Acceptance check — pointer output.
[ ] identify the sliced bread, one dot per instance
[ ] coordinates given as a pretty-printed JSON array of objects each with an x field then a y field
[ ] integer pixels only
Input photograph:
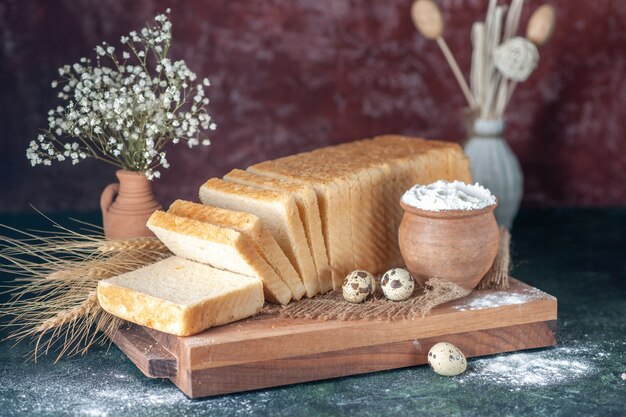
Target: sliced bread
[
  {"x": 220, "y": 247},
  {"x": 279, "y": 213},
  {"x": 308, "y": 208},
  {"x": 181, "y": 297},
  {"x": 333, "y": 197},
  {"x": 251, "y": 226}
]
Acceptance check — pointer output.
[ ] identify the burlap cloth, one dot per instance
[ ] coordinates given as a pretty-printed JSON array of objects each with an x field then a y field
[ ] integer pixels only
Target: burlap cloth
[{"x": 332, "y": 306}]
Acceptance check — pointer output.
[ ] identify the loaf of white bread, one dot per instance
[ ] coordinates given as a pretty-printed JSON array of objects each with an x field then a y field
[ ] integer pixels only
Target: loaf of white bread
[{"x": 282, "y": 229}]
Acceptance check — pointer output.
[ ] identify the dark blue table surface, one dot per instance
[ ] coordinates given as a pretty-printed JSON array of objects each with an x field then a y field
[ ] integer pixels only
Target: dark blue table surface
[{"x": 577, "y": 255}]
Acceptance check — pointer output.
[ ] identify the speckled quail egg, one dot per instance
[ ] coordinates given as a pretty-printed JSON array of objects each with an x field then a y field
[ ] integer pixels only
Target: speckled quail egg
[
  {"x": 357, "y": 286},
  {"x": 446, "y": 359},
  {"x": 397, "y": 284}
]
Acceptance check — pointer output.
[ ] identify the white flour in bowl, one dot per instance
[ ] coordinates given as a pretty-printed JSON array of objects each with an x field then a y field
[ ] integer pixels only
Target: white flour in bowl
[{"x": 444, "y": 195}]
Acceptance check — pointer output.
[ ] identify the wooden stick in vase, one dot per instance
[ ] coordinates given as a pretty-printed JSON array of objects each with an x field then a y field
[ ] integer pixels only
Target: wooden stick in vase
[
  {"x": 510, "y": 29},
  {"x": 488, "y": 68},
  {"x": 429, "y": 21},
  {"x": 478, "y": 42},
  {"x": 492, "y": 76},
  {"x": 539, "y": 31}
]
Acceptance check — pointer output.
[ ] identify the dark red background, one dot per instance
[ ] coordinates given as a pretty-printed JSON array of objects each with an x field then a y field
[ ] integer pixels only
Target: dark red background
[{"x": 292, "y": 75}]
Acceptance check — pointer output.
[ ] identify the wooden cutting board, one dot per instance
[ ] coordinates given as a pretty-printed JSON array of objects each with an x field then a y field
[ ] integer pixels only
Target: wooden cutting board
[{"x": 268, "y": 350}]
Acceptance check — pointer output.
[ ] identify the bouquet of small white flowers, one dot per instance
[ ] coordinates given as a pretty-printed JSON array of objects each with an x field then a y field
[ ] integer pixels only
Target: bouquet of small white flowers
[{"x": 127, "y": 107}]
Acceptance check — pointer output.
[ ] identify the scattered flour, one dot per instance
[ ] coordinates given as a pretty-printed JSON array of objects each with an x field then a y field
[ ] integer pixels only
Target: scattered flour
[
  {"x": 479, "y": 300},
  {"x": 91, "y": 412},
  {"x": 444, "y": 195},
  {"x": 531, "y": 369}
]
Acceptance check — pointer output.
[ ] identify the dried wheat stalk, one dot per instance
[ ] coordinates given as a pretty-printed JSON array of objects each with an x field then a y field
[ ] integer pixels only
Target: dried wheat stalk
[{"x": 53, "y": 297}]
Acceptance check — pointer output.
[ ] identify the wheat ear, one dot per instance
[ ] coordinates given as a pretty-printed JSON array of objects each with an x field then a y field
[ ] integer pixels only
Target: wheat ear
[{"x": 53, "y": 297}]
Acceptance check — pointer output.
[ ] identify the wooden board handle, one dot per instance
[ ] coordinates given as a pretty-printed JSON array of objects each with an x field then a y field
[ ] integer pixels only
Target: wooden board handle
[{"x": 152, "y": 359}]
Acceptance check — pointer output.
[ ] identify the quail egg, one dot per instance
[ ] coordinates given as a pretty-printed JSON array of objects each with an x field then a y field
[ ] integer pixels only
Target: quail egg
[
  {"x": 446, "y": 359},
  {"x": 397, "y": 284},
  {"x": 357, "y": 286}
]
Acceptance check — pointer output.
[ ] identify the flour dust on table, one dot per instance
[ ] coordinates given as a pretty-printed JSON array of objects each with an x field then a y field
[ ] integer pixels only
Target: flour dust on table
[{"x": 560, "y": 365}]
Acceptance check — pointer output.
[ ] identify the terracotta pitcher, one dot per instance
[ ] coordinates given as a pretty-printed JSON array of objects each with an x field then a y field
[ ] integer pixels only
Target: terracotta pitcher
[{"x": 127, "y": 205}]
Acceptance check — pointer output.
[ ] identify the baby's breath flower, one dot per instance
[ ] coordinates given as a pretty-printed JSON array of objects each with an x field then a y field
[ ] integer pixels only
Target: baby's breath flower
[{"x": 125, "y": 112}]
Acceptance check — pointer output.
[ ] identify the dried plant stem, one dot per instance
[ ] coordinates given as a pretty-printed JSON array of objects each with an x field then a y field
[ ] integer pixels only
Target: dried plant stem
[
  {"x": 53, "y": 297},
  {"x": 492, "y": 76},
  {"x": 489, "y": 91},
  {"x": 509, "y": 94},
  {"x": 512, "y": 19},
  {"x": 476, "y": 79},
  {"x": 504, "y": 88},
  {"x": 457, "y": 72}
]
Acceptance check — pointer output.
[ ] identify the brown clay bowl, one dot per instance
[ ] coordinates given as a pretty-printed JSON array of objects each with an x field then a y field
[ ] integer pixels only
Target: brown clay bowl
[{"x": 456, "y": 245}]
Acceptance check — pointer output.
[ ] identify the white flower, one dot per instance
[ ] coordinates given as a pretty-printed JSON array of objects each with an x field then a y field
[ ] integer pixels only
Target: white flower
[{"x": 126, "y": 111}]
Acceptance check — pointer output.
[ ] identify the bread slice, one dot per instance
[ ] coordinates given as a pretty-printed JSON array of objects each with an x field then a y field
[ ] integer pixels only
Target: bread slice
[
  {"x": 220, "y": 247},
  {"x": 308, "y": 208},
  {"x": 251, "y": 226},
  {"x": 279, "y": 213},
  {"x": 181, "y": 297}
]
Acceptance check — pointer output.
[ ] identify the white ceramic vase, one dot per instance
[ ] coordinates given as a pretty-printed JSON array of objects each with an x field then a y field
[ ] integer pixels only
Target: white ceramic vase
[{"x": 496, "y": 167}]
